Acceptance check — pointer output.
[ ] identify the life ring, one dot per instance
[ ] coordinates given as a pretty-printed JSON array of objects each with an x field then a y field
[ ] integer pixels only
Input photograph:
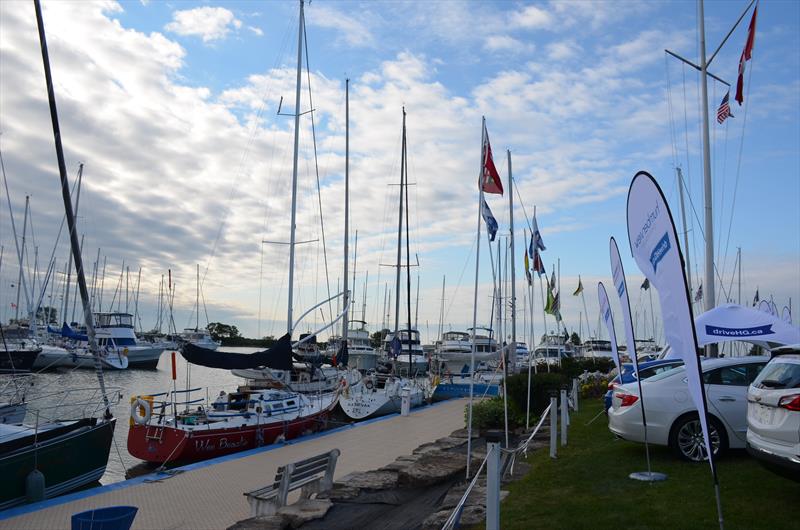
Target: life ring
[
  {"x": 140, "y": 405},
  {"x": 368, "y": 384}
]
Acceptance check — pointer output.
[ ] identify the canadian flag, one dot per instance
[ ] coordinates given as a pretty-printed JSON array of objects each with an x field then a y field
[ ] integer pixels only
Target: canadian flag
[{"x": 490, "y": 179}]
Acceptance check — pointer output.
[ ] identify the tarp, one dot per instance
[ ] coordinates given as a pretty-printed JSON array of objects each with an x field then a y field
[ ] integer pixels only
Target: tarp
[
  {"x": 279, "y": 357},
  {"x": 732, "y": 322}
]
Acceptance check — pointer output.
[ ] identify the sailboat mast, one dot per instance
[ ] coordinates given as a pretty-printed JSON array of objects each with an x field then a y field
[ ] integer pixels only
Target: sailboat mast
[
  {"x": 197, "y": 301},
  {"x": 685, "y": 230},
  {"x": 292, "y": 226},
  {"x": 408, "y": 245},
  {"x": 62, "y": 170},
  {"x": 22, "y": 257},
  {"x": 709, "y": 295},
  {"x": 400, "y": 233},
  {"x": 346, "y": 295},
  {"x": 69, "y": 266},
  {"x": 513, "y": 345}
]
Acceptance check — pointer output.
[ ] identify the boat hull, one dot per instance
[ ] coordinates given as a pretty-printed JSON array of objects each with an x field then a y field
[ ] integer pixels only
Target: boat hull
[
  {"x": 60, "y": 358},
  {"x": 67, "y": 460},
  {"x": 144, "y": 357},
  {"x": 359, "y": 402},
  {"x": 459, "y": 390},
  {"x": 18, "y": 360},
  {"x": 161, "y": 444}
]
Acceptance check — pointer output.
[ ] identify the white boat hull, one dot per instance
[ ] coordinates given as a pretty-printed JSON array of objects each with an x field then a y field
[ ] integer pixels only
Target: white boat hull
[
  {"x": 360, "y": 402},
  {"x": 52, "y": 357}
]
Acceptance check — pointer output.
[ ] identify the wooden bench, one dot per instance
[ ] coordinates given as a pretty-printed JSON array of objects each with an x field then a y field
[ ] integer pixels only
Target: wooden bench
[{"x": 312, "y": 475}]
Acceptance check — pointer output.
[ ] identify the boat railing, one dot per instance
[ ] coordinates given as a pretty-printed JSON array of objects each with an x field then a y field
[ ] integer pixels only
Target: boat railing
[{"x": 73, "y": 402}]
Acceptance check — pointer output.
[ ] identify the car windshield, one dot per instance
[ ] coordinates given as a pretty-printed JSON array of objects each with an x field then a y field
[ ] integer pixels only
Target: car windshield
[{"x": 780, "y": 373}]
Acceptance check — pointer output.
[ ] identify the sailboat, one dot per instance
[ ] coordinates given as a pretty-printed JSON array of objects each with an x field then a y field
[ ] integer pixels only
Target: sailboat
[
  {"x": 254, "y": 414},
  {"x": 198, "y": 336},
  {"x": 379, "y": 394}
]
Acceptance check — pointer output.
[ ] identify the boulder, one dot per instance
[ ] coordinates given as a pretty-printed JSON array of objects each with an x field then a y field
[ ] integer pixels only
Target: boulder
[
  {"x": 372, "y": 480},
  {"x": 433, "y": 467},
  {"x": 305, "y": 510}
]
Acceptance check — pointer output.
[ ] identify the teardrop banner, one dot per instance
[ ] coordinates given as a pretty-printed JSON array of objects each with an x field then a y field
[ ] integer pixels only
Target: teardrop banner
[
  {"x": 608, "y": 318},
  {"x": 654, "y": 245},
  {"x": 621, "y": 286}
]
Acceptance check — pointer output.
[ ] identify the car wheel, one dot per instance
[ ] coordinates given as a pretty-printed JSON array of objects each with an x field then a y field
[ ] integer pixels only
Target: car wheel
[{"x": 686, "y": 438}]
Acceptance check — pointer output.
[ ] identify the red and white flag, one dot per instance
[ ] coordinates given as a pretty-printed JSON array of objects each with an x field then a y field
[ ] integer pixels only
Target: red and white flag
[
  {"x": 747, "y": 53},
  {"x": 490, "y": 179},
  {"x": 724, "y": 110}
]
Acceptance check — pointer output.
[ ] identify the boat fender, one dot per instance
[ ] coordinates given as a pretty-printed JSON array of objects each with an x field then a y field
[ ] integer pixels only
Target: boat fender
[
  {"x": 140, "y": 405},
  {"x": 34, "y": 486},
  {"x": 258, "y": 410},
  {"x": 125, "y": 351}
]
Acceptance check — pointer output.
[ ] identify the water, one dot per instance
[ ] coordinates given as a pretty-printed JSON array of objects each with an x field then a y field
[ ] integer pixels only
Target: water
[{"x": 126, "y": 383}]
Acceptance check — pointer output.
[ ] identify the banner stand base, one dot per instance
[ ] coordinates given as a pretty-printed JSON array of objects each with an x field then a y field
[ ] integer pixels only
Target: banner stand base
[{"x": 644, "y": 476}]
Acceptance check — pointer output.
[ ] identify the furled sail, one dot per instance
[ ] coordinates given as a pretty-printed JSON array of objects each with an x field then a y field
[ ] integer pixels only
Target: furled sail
[{"x": 279, "y": 357}]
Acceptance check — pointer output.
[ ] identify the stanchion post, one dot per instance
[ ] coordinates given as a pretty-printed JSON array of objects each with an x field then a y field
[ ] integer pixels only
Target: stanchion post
[
  {"x": 493, "y": 441},
  {"x": 564, "y": 416},
  {"x": 575, "y": 393},
  {"x": 553, "y": 424}
]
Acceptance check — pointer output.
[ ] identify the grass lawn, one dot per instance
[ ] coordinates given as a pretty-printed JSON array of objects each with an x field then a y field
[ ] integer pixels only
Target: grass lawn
[{"x": 588, "y": 487}]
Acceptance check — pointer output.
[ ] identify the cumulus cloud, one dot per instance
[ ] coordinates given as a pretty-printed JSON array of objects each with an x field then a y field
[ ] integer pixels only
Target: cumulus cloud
[
  {"x": 506, "y": 43},
  {"x": 208, "y": 23},
  {"x": 350, "y": 29}
]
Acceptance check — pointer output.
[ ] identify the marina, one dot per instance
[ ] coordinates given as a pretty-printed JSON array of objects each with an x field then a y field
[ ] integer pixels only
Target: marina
[{"x": 261, "y": 293}]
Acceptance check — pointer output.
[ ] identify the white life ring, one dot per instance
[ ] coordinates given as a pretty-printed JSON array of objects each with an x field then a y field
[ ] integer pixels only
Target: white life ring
[
  {"x": 368, "y": 384},
  {"x": 140, "y": 419}
]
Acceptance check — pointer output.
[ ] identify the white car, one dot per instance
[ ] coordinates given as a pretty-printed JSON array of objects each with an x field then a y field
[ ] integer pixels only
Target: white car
[
  {"x": 672, "y": 418},
  {"x": 773, "y": 415}
]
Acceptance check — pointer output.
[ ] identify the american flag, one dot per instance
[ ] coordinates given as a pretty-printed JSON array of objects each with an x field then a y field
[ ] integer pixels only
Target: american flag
[{"x": 724, "y": 109}]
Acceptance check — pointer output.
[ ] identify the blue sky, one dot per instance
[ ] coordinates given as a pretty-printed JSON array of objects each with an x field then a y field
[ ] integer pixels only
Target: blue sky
[{"x": 172, "y": 107}]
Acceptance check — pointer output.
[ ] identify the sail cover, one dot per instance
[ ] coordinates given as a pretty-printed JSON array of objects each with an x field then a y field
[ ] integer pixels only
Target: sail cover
[{"x": 279, "y": 357}]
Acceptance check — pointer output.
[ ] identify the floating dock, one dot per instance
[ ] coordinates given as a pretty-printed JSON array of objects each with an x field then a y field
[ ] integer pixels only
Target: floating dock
[{"x": 210, "y": 494}]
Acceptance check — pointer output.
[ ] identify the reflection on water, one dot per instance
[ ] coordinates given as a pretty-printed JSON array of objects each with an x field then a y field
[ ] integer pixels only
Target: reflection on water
[{"x": 122, "y": 385}]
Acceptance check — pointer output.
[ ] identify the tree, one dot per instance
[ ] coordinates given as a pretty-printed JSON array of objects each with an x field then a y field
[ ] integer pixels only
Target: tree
[
  {"x": 376, "y": 339},
  {"x": 47, "y": 314},
  {"x": 219, "y": 331},
  {"x": 575, "y": 339}
]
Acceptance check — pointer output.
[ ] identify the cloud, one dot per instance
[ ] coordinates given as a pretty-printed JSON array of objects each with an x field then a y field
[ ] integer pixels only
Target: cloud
[
  {"x": 209, "y": 23},
  {"x": 351, "y": 30},
  {"x": 562, "y": 50},
  {"x": 256, "y": 31},
  {"x": 532, "y": 17},
  {"x": 506, "y": 43}
]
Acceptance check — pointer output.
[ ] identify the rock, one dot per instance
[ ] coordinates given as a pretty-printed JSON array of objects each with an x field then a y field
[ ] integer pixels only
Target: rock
[
  {"x": 472, "y": 515},
  {"x": 436, "y": 520},
  {"x": 264, "y": 522},
  {"x": 339, "y": 492},
  {"x": 305, "y": 510},
  {"x": 462, "y": 433},
  {"x": 433, "y": 467},
  {"x": 520, "y": 470},
  {"x": 401, "y": 462},
  {"x": 373, "y": 480},
  {"x": 448, "y": 442}
]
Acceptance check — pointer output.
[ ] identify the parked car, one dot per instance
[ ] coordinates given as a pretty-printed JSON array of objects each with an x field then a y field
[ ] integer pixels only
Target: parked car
[
  {"x": 646, "y": 369},
  {"x": 773, "y": 414},
  {"x": 672, "y": 418}
]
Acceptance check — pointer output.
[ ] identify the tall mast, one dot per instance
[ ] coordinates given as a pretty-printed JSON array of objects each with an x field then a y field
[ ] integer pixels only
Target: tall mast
[
  {"x": 441, "y": 311},
  {"x": 69, "y": 265},
  {"x": 301, "y": 26},
  {"x": 346, "y": 296},
  {"x": 400, "y": 234},
  {"x": 408, "y": 245},
  {"x": 62, "y": 170},
  {"x": 22, "y": 258},
  {"x": 685, "y": 230},
  {"x": 709, "y": 295},
  {"x": 197, "y": 302},
  {"x": 513, "y": 345}
]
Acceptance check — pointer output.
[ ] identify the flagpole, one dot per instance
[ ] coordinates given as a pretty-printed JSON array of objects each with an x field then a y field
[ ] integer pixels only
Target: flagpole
[
  {"x": 513, "y": 345},
  {"x": 475, "y": 293},
  {"x": 544, "y": 321}
]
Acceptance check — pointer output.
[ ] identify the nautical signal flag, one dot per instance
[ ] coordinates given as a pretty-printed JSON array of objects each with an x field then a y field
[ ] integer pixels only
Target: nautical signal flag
[
  {"x": 538, "y": 265},
  {"x": 536, "y": 239},
  {"x": 579, "y": 290},
  {"x": 699, "y": 294},
  {"x": 488, "y": 218},
  {"x": 490, "y": 179},
  {"x": 528, "y": 269},
  {"x": 724, "y": 110},
  {"x": 747, "y": 54},
  {"x": 645, "y": 284},
  {"x": 756, "y": 298}
]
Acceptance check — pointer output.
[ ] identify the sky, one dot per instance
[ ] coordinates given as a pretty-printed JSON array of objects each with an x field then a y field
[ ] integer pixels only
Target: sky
[{"x": 172, "y": 107}]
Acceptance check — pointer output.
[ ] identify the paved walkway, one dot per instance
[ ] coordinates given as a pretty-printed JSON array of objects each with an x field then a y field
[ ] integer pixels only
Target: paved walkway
[{"x": 210, "y": 496}]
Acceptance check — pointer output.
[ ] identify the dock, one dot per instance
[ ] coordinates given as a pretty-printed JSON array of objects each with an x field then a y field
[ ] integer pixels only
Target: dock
[{"x": 210, "y": 494}]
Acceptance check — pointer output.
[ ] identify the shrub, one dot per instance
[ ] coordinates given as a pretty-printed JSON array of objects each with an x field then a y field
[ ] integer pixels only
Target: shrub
[
  {"x": 541, "y": 386},
  {"x": 489, "y": 414}
]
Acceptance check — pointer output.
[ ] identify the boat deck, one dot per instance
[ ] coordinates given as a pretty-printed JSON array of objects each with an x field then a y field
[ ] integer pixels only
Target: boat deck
[{"x": 210, "y": 494}]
